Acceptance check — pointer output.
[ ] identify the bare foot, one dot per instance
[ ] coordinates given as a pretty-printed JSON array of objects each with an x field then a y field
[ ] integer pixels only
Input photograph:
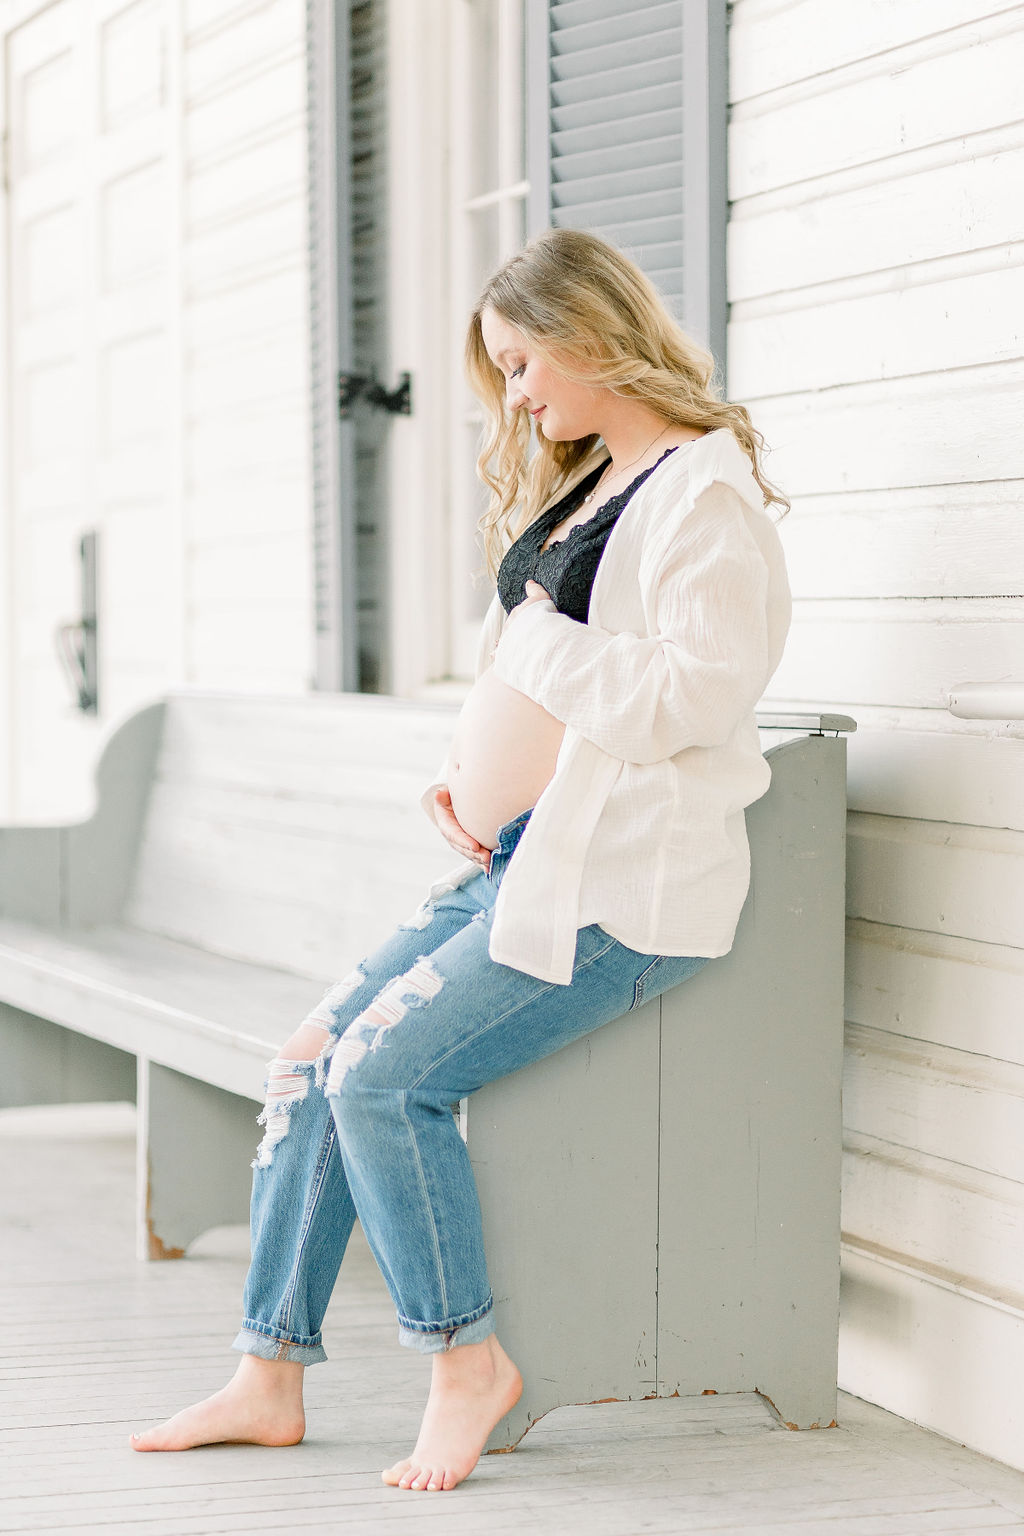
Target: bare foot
[
  {"x": 472, "y": 1387},
  {"x": 261, "y": 1405}
]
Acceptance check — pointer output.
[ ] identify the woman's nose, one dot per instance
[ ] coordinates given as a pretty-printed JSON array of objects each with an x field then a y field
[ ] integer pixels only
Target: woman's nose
[{"x": 514, "y": 396}]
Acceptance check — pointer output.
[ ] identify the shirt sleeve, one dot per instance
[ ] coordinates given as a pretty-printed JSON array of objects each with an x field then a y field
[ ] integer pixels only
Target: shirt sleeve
[{"x": 690, "y": 680}]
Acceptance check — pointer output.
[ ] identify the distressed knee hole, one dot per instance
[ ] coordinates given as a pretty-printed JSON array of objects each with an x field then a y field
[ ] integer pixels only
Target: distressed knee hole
[
  {"x": 324, "y": 1014},
  {"x": 287, "y": 1085},
  {"x": 367, "y": 1033}
]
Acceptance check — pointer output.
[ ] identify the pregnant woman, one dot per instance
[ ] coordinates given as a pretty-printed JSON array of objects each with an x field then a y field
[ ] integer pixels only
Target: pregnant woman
[{"x": 595, "y": 787}]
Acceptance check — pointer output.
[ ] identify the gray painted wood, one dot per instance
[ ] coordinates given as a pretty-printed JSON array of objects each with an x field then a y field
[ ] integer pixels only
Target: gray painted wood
[
  {"x": 47, "y": 1064},
  {"x": 196, "y": 1143},
  {"x": 662, "y": 1198}
]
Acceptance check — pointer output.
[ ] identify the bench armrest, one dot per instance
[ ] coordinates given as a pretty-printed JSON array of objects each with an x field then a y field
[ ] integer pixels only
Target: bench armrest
[{"x": 80, "y": 874}]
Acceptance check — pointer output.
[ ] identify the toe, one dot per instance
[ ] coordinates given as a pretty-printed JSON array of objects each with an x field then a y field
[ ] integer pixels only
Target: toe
[{"x": 393, "y": 1475}]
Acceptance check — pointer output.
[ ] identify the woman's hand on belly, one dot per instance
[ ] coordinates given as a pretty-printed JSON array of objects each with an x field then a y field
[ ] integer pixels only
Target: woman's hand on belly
[{"x": 455, "y": 834}]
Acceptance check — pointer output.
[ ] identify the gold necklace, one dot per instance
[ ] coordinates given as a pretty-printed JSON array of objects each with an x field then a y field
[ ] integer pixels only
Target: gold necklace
[{"x": 616, "y": 472}]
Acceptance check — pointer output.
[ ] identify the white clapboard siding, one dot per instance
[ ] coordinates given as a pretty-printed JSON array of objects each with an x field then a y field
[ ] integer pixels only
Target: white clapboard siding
[
  {"x": 940, "y": 876},
  {"x": 938, "y": 775},
  {"x": 934, "y": 1350},
  {"x": 936, "y": 89},
  {"x": 915, "y": 541},
  {"x": 904, "y": 325},
  {"x": 774, "y": 45},
  {"x": 866, "y": 220},
  {"x": 876, "y": 280},
  {"x": 952, "y": 1218},
  {"x": 950, "y": 1104},
  {"x": 884, "y": 435},
  {"x": 967, "y": 994},
  {"x": 898, "y": 651}
]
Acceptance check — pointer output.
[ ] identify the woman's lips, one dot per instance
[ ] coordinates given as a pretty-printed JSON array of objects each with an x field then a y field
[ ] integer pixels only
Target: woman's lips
[{"x": 537, "y": 412}]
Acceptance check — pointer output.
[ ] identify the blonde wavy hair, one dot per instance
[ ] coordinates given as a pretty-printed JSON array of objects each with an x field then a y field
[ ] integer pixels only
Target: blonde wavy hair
[{"x": 593, "y": 316}]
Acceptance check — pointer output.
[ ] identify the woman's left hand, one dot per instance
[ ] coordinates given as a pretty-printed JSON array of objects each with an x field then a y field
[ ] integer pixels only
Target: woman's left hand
[{"x": 534, "y": 594}]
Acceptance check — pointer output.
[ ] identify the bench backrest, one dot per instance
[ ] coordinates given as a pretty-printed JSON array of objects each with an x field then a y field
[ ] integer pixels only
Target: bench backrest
[{"x": 289, "y": 831}]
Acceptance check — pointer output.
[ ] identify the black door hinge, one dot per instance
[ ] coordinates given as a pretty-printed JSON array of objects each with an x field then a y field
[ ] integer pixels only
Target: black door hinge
[{"x": 397, "y": 401}]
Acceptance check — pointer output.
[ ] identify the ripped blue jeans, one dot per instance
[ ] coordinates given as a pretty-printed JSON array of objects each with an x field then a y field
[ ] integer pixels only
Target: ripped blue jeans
[{"x": 424, "y": 1021}]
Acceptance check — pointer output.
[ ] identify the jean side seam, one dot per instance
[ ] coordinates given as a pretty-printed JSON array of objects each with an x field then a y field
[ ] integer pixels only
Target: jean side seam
[
  {"x": 428, "y": 1207},
  {"x": 318, "y": 1184}
]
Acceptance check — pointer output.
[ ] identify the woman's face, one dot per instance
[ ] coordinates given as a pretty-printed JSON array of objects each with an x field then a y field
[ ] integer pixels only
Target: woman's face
[{"x": 561, "y": 409}]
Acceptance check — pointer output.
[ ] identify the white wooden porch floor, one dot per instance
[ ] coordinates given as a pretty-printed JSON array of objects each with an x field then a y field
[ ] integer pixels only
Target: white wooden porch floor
[{"x": 97, "y": 1344}]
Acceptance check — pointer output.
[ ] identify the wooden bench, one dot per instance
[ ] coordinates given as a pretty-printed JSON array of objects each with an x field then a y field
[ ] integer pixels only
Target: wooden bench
[{"x": 661, "y": 1199}]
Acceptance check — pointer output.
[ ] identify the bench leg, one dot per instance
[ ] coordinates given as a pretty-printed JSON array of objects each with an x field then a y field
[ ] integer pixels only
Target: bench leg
[
  {"x": 195, "y": 1144},
  {"x": 565, "y": 1155},
  {"x": 45, "y": 1063}
]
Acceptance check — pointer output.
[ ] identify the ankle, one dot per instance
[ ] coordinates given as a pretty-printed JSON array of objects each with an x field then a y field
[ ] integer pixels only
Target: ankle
[
  {"x": 469, "y": 1365},
  {"x": 270, "y": 1378}
]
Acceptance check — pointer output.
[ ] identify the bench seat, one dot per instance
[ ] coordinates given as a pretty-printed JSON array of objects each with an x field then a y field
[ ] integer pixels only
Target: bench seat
[{"x": 217, "y": 1018}]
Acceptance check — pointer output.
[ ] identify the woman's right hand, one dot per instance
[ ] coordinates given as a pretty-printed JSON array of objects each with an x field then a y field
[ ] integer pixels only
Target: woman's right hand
[{"x": 455, "y": 834}]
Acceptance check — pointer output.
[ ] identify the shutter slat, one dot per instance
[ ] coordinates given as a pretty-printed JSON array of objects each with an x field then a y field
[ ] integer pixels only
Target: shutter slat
[
  {"x": 625, "y": 24},
  {"x": 596, "y": 202},
  {"x": 660, "y": 189},
  {"x": 637, "y": 53},
  {"x": 615, "y": 82},
  {"x": 658, "y": 157},
  {"x": 609, "y": 17},
  {"x": 607, "y": 132}
]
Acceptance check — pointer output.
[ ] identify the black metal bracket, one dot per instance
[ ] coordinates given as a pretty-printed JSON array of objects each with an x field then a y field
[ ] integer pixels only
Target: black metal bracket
[
  {"x": 397, "y": 401},
  {"x": 76, "y": 642}
]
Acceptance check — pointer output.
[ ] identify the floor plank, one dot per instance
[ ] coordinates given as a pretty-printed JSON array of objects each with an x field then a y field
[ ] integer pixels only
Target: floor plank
[{"x": 102, "y": 1344}]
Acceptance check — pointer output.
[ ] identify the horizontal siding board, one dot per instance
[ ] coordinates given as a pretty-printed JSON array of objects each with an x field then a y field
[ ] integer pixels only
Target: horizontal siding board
[
  {"x": 962, "y": 1221},
  {"x": 822, "y": 234},
  {"x": 255, "y": 38},
  {"x": 908, "y": 653},
  {"x": 932, "y": 776},
  {"x": 944, "y": 541},
  {"x": 224, "y": 122},
  {"x": 938, "y": 877},
  {"x": 774, "y": 45},
  {"x": 913, "y": 328},
  {"x": 937, "y": 430},
  {"x": 948, "y": 1104},
  {"x": 935, "y": 1357},
  {"x": 965, "y": 994}
]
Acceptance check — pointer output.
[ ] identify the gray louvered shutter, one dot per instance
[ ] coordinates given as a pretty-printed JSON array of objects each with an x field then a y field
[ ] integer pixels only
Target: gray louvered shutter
[
  {"x": 626, "y": 114},
  {"x": 346, "y": 64},
  {"x": 330, "y": 260}
]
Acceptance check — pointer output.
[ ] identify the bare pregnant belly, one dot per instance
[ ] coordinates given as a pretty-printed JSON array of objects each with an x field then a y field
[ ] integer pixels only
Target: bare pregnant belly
[{"x": 502, "y": 757}]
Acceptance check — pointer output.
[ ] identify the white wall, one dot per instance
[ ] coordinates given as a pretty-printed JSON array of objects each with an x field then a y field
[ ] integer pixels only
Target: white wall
[
  {"x": 155, "y": 363},
  {"x": 877, "y": 301}
]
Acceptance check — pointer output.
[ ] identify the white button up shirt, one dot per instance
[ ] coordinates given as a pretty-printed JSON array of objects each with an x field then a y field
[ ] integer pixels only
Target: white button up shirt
[{"x": 641, "y": 828}]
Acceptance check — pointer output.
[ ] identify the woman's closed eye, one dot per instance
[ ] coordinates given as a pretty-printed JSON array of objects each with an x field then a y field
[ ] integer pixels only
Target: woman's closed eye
[{"x": 516, "y": 372}]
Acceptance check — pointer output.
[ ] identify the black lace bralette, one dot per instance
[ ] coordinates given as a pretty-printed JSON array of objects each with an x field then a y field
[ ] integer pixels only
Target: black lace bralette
[{"x": 566, "y": 569}]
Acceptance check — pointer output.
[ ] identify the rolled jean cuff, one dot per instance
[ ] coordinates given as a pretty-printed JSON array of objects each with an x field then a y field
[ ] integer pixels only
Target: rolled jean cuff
[
  {"x": 435, "y": 1338},
  {"x": 272, "y": 1344}
]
